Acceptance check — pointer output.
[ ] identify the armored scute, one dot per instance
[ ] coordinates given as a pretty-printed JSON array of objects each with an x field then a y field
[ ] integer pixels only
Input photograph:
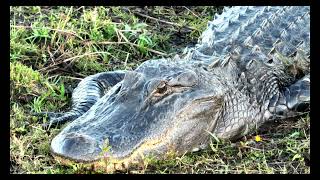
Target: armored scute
[{"x": 251, "y": 65}]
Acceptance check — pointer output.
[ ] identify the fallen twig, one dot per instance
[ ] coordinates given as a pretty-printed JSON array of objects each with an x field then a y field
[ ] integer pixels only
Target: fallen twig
[
  {"x": 70, "y": 77},
  {"x": 63, "y": 25},
  {"x": 151, "y": 50},
  {"x": 130, "y": 43},
  {"x": 124, "y": 37},
  {"x": 38, "y": 128},
  {"x": 191, "y": 11},
  {"x": 72, "y": 59},
  {"x": 86, "y": 54},
  {"x": 125, "y": 62}
]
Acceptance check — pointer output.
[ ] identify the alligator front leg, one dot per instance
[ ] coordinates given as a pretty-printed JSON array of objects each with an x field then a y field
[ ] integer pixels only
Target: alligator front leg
[
  {"x": 239, "y": 116},
  {"x": 294, "y": 100},
  {"x": 85, "y": 95}
]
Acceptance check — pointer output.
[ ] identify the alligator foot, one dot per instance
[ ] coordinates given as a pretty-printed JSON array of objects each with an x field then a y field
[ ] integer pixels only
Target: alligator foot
[{"x": 297, "y": 99}]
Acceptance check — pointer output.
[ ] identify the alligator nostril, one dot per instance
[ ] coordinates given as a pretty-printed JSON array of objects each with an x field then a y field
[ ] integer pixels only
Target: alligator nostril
[{"x": 78, "y": 145}]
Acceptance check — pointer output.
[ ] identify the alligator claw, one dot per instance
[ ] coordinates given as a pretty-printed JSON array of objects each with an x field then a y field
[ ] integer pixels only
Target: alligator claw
[
  {"x": 48, "y": 125},
  {"x": 45, "y": 126}
]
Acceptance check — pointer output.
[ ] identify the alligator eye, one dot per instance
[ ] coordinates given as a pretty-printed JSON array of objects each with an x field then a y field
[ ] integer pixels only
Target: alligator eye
[
  {"x": 118, "y": 89},
  {"x": 161, "y": 90}
]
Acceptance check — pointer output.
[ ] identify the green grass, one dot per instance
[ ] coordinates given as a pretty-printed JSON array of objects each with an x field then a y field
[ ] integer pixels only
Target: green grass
[{"x": 53, "y": 48}]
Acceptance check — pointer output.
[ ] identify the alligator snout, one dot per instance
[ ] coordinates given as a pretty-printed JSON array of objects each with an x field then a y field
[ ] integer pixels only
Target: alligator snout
[{"x": 75, "y": 146}]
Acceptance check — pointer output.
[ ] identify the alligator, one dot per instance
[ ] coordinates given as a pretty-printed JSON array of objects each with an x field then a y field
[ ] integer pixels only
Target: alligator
[{"x": 250, "y": 66}]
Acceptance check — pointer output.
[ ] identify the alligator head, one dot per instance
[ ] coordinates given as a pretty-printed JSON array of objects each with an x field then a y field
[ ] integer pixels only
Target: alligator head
[{"x": 161, "y": 107}]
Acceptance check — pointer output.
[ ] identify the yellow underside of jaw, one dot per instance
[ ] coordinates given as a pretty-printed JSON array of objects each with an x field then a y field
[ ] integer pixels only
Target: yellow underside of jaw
[{"x": 110, "y": 164}]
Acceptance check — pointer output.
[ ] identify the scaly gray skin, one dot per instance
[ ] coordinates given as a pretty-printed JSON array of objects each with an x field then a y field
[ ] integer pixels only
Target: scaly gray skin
[{"x": 251, "y": 66}]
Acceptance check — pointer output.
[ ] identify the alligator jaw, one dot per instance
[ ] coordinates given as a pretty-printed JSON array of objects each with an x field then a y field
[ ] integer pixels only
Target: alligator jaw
[
  {"x": 98, "y": 162},
  {"x": 188, "y": 131},
  {"x": 106, "y": 162}
]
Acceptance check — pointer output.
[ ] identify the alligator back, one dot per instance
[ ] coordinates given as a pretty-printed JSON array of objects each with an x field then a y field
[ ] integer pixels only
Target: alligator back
[{"x": 267, "y": 30}]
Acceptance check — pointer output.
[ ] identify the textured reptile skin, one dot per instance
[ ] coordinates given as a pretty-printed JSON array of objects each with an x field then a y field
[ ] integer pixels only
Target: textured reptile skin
[{"x": 251, "y": 65}]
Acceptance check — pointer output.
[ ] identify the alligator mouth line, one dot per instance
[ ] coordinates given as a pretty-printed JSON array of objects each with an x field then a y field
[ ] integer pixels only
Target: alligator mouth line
[{"x": 111, "y": 164}]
